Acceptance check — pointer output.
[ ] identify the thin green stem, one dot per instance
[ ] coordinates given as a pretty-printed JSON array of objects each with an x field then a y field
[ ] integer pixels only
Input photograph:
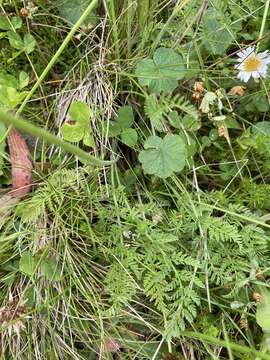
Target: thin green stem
[
  {"x": 112, "y": 16},
  {"x": 225, "y": 344},
  {"x": 56, "y": 56},
  {"x": 174, "y": 13},
  {"x": 266, "y": 9},
  {"x": 46, "y": 136}
]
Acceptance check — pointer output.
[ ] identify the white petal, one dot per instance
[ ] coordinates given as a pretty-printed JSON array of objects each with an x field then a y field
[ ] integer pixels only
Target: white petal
[
  {"x": 263, "y": 54},
  {"x": 246, "y": 76},
  {"x": 246, "y": 52},
  {"x": 263, "y": 73},
  {"x": 240, "y": 66},
  {"x": 255, "y": 74},
  {"x": 242, "y": 75}
]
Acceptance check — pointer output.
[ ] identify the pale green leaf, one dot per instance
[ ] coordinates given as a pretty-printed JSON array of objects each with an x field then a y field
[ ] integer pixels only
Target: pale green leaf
[
  {"x": 88, "y": 139},
  {"x": 28, "y": 263},
  {"x": 163, "y": 157},
  {"x": 72, "y": 132},
  {"x": 79, "y": 112},
  {"x": 263, "y": 311}
]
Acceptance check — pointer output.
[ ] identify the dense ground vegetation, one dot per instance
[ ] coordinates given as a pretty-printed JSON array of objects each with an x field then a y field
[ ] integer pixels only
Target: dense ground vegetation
[{"x": 157, "y": 245}]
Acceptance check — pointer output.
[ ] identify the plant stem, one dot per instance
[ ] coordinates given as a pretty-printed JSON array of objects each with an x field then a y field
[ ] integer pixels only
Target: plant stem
[
  {"x": 266, "y": 9},
  {"x": 58, "y": 53},
  {"x": 225, "y": 344},
  {"x": 45, "y": 135},
  {"x": 112, "y": 16}
]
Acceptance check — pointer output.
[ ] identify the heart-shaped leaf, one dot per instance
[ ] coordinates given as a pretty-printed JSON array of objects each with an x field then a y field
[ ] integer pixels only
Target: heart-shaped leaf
[
  {"x": 163, "y": 157},
  {"x": 72, "y": 132},
  {"x": 77, "y": 127},
  {"x": 162, "y": 72}
]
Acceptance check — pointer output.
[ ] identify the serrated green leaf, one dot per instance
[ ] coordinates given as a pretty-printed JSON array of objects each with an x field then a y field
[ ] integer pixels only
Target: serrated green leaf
[
  {"x": 28, "y": 263},
  {"x": 129, "y": 137},
  {"x": 163, "y": 157},
  {"x": 16, "y": 22},
  {"x": 217, "y": 38},
  {"x": 15, "y": 40},
  {"x": 29, "y": 43},
  {"x": 49, "y": 268},
  {"x": 71, "y": 10},
  {"x": 162, "y": 72}
]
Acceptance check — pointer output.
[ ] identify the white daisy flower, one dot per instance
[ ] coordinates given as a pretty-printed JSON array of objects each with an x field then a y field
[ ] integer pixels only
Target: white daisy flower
[{"x": 252, "y": 64}]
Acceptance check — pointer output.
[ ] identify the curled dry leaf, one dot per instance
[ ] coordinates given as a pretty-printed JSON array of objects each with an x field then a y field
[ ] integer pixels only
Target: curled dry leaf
[
  {"x": 21, "y": 164},
  {"x": 237, "y": 90},
  {"x": 21, "y": 174}
]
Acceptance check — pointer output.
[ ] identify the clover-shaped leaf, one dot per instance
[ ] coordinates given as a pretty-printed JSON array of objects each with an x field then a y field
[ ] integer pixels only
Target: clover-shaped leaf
[
  {"x": 162, "y": 72},
  {"x": 9, "y": 24},
  {"x": 123, "y": 121},
  {"x": 26, "y": 44},
  {"x": 122, "y": 126},
  {"x": 163, "y": 157}
]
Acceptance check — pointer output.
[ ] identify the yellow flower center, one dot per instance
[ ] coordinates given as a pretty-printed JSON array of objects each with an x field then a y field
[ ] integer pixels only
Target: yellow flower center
[{"x": 252, "y": 63}]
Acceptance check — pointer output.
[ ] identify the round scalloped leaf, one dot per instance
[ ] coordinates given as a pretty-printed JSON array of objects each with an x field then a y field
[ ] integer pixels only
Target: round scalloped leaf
[
  {"x": 163, "y": 157},
  {"x": 161, "y": 73}
]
